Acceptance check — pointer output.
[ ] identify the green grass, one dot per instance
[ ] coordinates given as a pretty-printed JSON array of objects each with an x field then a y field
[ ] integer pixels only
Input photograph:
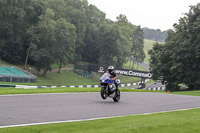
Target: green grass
[
  {"x": 136, "y": 67},
  {"x": 70, "y": 78},
  {"x": 191, "y": 93},
  {"x": 6, "y": 91},
  {"x": 148, "y": 45},
  {"x": 66, "y": 78},
  {"x": 171, "y": 122},
  {"x": 3, "y": 63}
]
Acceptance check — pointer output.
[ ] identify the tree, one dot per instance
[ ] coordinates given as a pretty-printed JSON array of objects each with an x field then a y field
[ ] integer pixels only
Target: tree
[
  {"x": 138, "y": 46},
  {"x": 161, "y": 63},
  {"x": 65, "y": 34},
  {"x": 76, "y": 14},
  {"x": 59, "y": 7},
  {"x": 114, "y": 45},
  {"x": 92, "y": 37},
  {"x": 135, "y": 37},
  {"x": 16, "y": 18},
  {"x": 42, "y": 51},
  {"x": 155, "y": 35},
  {"x": 179, "y": 57},
  {"x": 12, "y": 30}
]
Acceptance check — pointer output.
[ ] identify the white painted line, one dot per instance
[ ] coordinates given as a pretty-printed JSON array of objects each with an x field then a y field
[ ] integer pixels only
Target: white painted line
[
  {"x": 129, "y": 84},
  {"x": 44, "y": 86},
  {"x": 72, "y": 86},
  {"x": 30, "y": 87},
  {"x": 96, "y": 86},
  {"x": 63, "y": 86},
  {"x": 122, "y": 85},
  {"x": 53, "y": 86},
  {"x": 89, "y": 86},
  {"x": 20, "y": 85},
  {"x": 80, "y": 86},
  {"x": 56, "y": 122}
]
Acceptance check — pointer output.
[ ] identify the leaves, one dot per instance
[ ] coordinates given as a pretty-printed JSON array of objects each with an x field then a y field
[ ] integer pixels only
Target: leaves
[
  {"x": 177, "y": 61},
  {"x": 45, "y": 32}
]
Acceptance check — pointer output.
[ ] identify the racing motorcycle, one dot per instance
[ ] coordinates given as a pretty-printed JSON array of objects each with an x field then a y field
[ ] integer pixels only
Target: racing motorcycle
[{"x": 108, "y": 88}]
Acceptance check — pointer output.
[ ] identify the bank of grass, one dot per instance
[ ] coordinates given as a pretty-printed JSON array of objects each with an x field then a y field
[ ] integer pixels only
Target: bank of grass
[
  {"x": 148, "y": 45},
  {"x": 191, "y": 93},
  {"x": 174, "y": 122},
  {"x": 70, "y": 78},
  {"x": 128, "y": 65},
  {"x": 6, "y": 91}
]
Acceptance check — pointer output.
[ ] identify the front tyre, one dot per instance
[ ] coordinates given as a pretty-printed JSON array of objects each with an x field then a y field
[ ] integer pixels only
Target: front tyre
[
  {"x": 117, "y": 96},
  {"x": 103, "y": 92}
]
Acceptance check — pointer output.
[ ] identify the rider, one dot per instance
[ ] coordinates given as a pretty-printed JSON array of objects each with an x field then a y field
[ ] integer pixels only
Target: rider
[{"x": 113, "y": 75}]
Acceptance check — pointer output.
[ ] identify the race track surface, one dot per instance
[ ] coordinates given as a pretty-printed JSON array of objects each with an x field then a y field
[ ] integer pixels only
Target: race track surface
[{"x": 26, "y": 109}]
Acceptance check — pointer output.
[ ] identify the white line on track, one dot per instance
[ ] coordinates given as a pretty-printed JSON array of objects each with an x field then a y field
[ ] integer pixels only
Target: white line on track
[{"x": 56, "y": 122}]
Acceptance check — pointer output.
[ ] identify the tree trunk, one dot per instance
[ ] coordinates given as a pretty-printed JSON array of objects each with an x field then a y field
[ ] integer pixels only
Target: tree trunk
[
  {"x": 60, "y": 66},
  {"x": 130, "y": 64},
  {"x": 133, "y": 64},
  {"x": 28, "y": 52},
  {"x": 45, "y": 71}
]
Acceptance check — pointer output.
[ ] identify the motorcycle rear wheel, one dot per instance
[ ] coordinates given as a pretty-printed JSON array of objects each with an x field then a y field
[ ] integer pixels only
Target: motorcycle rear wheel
[{"x": 117, "y": 96}]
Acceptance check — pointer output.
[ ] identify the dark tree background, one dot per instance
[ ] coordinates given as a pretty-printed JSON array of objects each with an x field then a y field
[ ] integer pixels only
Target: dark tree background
[{"x": 155, "y": 35}]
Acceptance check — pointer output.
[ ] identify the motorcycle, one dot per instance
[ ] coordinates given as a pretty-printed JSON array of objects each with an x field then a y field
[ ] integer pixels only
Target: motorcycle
[{"x": 108, "y": 88}]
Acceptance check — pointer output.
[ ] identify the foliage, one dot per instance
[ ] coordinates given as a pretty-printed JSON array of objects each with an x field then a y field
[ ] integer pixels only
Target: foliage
[
  {"x": 155, "y": 35},
  {"x": 45, "y": 32},
  {"x": 177, "y": 61},
  {"x": 148, "y": 45},
  {"x": 138, "y": 54}
]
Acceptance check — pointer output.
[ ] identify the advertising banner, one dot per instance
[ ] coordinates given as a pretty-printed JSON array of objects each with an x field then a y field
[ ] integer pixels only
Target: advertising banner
[{"x": 125, "y": 72}]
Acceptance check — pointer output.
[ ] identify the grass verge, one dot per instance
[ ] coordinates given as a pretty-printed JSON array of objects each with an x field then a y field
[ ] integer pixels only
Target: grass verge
[
  {"x": 174, "y": 122},
  {"x": 191, "y": 93},
  {"x": 148, "y": 45},
  {"x": 6, "y": 91}
]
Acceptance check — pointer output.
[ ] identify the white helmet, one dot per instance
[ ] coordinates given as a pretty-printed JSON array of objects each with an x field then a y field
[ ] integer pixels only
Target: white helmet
[{"x": 111, "y": 69}]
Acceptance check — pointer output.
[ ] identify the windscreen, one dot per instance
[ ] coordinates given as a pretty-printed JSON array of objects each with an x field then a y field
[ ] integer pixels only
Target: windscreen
[{"x": 105, "y": 76}]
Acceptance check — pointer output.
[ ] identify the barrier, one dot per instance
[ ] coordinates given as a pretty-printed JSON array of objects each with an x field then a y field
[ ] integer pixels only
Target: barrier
[{"x": 81, "y": 86}]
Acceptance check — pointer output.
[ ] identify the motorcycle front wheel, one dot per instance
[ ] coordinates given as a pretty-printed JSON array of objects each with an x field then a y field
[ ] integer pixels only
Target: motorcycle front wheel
[{"x": 104, "y": 92}]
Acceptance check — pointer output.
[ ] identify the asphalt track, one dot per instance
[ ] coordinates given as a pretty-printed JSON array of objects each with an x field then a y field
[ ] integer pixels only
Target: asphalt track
[{"x": 41, "y": 108}]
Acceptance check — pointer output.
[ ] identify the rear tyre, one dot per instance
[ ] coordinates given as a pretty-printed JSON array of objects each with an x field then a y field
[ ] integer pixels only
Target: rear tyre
[
  {"x": 117, "y": 96},
  {"x": 103, "y": 92}
]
